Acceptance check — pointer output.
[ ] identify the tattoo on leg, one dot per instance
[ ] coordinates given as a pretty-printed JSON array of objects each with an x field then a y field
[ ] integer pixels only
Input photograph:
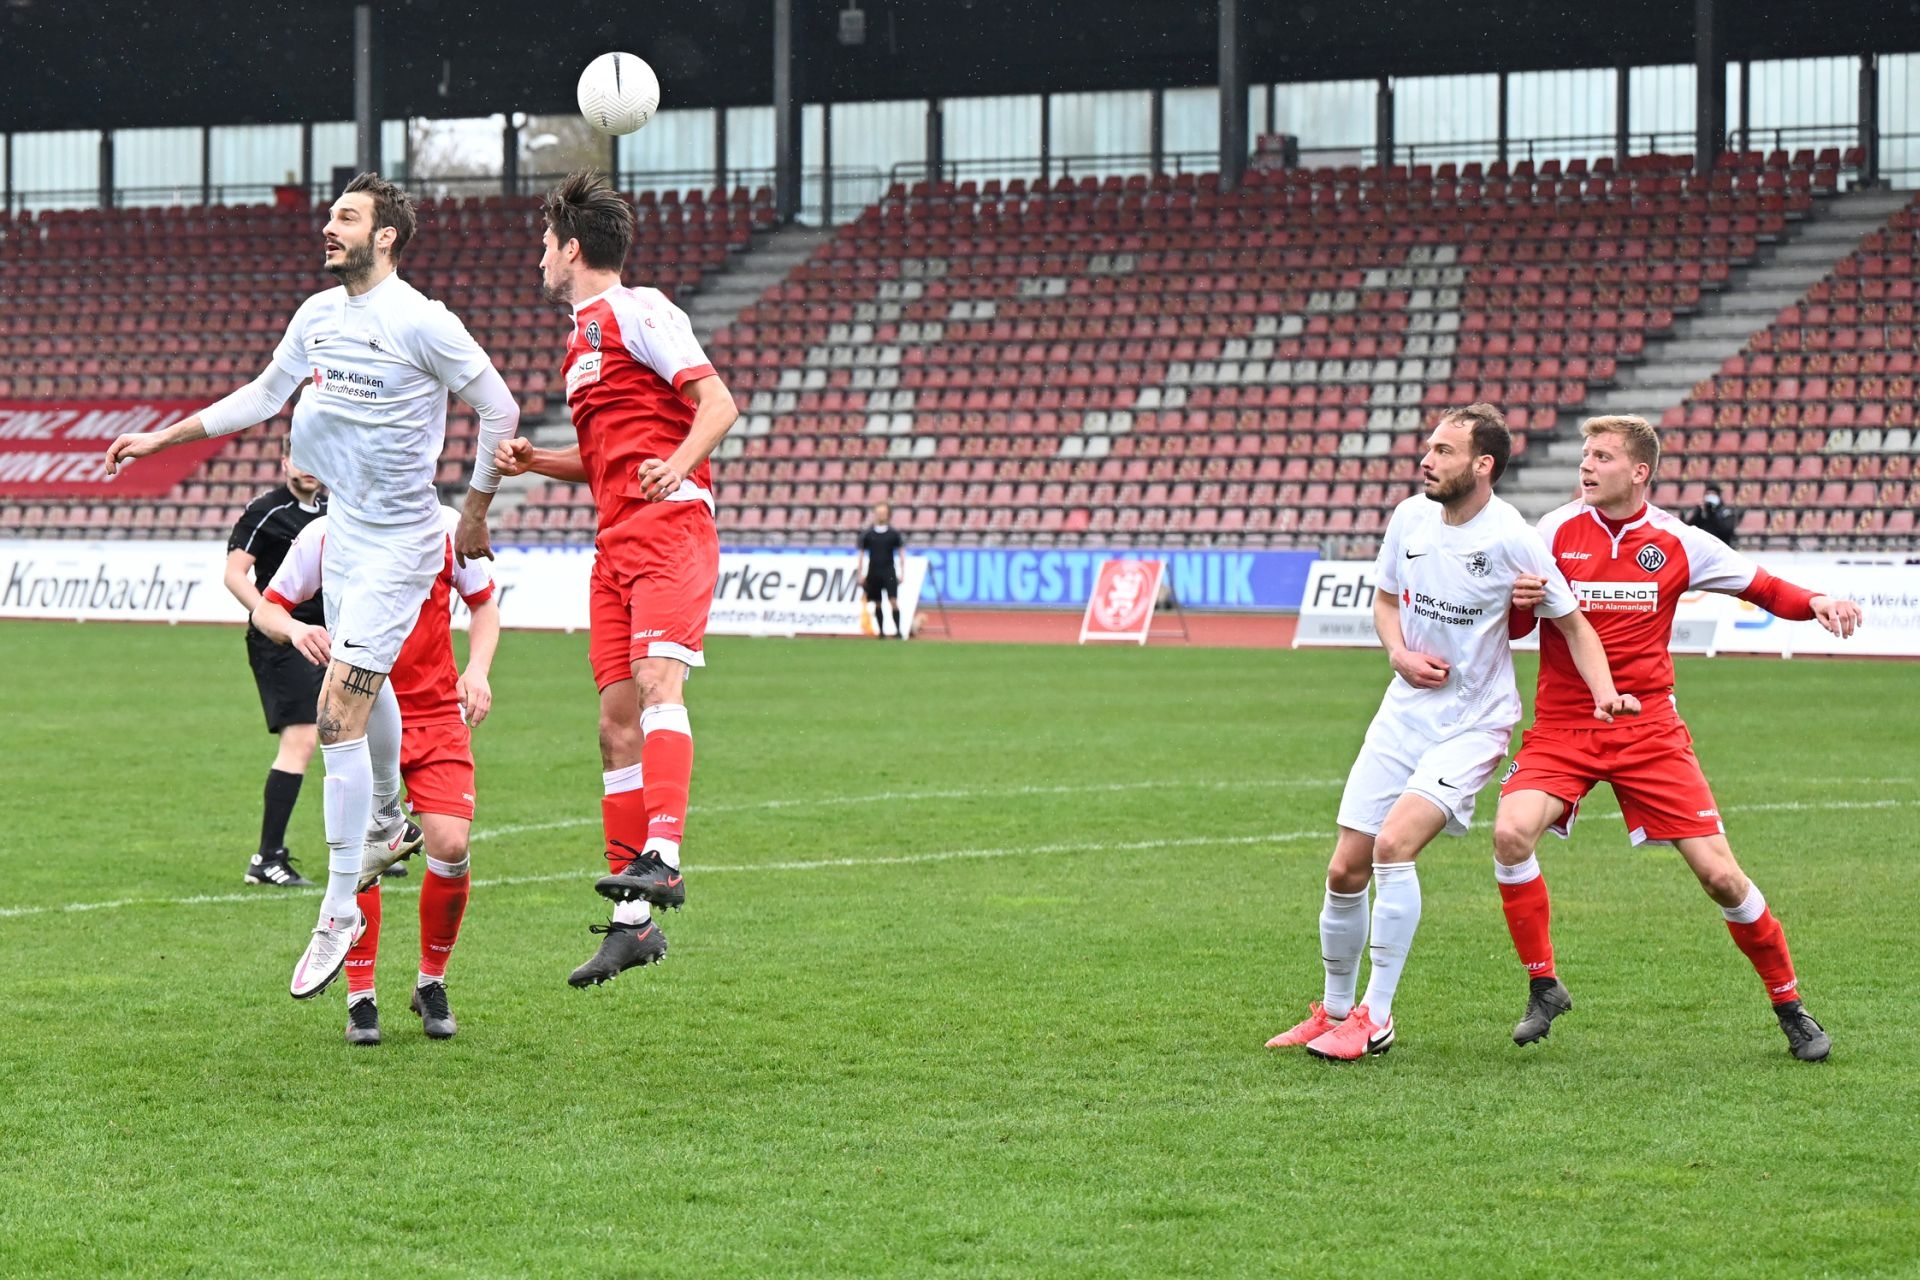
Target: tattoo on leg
[
  {"x": 363, "y": 682},
  {"x": 329, "y": 724}
]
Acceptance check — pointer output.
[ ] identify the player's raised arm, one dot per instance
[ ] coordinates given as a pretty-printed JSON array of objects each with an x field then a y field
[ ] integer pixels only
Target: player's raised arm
[
  {"x": 519, "y": 457},
  {"x": 1714, "y": 566}
]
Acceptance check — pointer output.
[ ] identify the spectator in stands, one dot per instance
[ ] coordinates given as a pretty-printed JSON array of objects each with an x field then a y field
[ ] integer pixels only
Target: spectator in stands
[
  {"x": 883, "y": 561},
  {"x": 1714, "y": 516},
  {"x": 289, "y": 685}
]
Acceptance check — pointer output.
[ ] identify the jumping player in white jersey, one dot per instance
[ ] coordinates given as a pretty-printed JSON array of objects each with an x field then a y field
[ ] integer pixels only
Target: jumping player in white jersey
[
  {"x": 1442, "y": 582},
  {"x": 379, "y": 359}
]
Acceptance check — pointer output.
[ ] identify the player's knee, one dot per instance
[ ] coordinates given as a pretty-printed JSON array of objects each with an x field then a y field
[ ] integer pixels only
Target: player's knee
[
  {"x": 1726, "y": 883},
  {"x": 1343, "y": 877},
  {"x": 1513, "y": 843},
  {"x": 1394, "y": 846}
]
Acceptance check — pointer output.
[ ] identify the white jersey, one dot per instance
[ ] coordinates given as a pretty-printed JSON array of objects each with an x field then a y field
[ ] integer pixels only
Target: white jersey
[
  {"x": 378, "y": 368},
  {"x": 1454, "y": 584}
]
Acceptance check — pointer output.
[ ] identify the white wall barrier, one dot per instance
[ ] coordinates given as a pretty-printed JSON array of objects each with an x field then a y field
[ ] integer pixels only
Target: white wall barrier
[
  {"x": 759, "y": 593},
  {"x": 1337, "y": 610}
]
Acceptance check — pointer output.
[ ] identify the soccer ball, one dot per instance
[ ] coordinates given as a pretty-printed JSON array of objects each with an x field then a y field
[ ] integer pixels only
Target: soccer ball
[{"x": 618, "y": 93}]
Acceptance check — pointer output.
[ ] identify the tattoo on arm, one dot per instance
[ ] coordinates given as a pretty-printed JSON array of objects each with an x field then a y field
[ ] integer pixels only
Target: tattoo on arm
[{"x": 363, "y": 682}]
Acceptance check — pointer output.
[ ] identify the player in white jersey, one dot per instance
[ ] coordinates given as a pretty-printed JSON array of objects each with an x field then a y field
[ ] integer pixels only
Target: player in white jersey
[
  {"x": 378, "y": 359},
  {"x": 1442, "y": 583}
]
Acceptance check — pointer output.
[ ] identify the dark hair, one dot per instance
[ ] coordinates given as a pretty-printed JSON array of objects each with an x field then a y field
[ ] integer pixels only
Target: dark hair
[
  {"x": 1489, "y": 433},
  {"x": 585, "y": 207},
  {"x": 392, "y": 207}
]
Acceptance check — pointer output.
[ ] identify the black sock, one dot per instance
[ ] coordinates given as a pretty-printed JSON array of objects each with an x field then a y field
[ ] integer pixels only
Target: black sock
[
  {"x": 896, "y": 622},
  {"x": 282, "y": 790}
]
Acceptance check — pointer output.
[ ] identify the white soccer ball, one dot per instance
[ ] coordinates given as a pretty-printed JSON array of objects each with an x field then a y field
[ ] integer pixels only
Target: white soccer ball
[{"x": 618, "y": 93}]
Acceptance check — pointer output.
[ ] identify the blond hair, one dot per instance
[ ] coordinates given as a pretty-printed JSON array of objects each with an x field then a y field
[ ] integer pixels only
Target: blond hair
[{"x": 1642, "y": 441}]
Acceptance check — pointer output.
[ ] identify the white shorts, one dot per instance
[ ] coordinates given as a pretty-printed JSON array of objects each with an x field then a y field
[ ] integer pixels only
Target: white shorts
[
  {"x": 375, "y": 578},
  {"x": 1397, "y": 759}
]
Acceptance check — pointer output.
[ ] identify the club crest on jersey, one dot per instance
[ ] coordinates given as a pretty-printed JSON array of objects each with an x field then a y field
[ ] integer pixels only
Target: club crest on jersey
[
  {"x": 1651, "y": 558},
  {"x": 593, "y": 334},
  {"x": 1478, "y": 565}
]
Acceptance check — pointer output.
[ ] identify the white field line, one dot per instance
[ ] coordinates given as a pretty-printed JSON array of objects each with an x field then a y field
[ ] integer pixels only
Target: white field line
[
  {"x": 914, "y": 859},
  {"x": 896, "y": 797}
]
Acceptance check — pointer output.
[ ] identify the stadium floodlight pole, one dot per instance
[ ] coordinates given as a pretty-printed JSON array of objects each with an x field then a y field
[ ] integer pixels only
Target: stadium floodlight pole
[
  {"x": 106, "y": 168},
  {"x": 1233, "y": 98},
  {"x": 720, "y": 178},
  {"x": 1383, "y": 144},
  {"x": 366, "y": 90},
  {"x": 1502, "y": 110},
  {"x": 1869, "y": 121},
  {"x": 1709, "y": 85},
  {"x": 787, "y": 140},
  {"x": 1622, "y": 114}
]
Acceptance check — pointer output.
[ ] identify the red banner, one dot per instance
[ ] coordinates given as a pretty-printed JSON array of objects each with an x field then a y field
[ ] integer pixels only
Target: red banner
[
  {"x": 1121, "y": 606},
  {"x": 56, "y": 448}
]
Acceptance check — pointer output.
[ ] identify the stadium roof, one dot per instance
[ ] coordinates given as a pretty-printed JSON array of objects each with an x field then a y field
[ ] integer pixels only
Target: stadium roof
[{"x": 129, "y": 63}]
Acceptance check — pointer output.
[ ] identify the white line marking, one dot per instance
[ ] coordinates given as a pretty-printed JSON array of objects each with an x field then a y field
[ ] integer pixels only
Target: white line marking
[
  {"x": 265, "y": 894},
  {"x": 970, "y": 793}
]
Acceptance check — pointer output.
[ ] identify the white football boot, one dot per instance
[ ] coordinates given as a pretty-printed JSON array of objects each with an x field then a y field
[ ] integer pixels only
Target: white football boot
[
  {"x": 388, "y": 842},
  {"x": 326, "y": 954}
]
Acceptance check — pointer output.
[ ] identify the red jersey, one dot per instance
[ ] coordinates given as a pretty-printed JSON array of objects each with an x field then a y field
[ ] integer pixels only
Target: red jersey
[
  {"x": 1628, "y": 578},
  {"x": 629, "y": 355},
  {"x": 425, "y": 679}
]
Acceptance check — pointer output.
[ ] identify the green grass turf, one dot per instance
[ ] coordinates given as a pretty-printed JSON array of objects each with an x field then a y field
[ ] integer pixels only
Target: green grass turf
[{"x": 1044, "y": 1061}]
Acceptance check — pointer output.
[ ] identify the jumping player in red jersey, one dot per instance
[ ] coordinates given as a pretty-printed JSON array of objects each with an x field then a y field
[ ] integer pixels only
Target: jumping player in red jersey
[
  {"x": 1629, "y": 563},
  {"x": 437, "y": 704},
  {"x": 648, "y": 409}
]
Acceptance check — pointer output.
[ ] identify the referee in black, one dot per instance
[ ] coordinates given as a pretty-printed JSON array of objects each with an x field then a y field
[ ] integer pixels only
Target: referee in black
[
  {"x": 883, "y": 559},
  {"x": 289, "y": 684}
]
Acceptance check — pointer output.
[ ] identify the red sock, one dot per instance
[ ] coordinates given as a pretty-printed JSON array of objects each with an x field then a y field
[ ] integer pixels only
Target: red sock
[
  {"x": 1530, "y": 920},
  {"x": 666, "y": 760},
  {"x": 443, "y": 903},
  {"x": 361, "y": 955},
  {"x": 1765, "y": 944},
  {"x": 624, "y": 815}
]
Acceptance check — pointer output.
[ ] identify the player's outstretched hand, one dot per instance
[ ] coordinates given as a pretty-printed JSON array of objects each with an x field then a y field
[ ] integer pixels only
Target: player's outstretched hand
[
  {"x": 514, "y": 457},
  {"x": 1621, "y": 704},
  {"x": 471, "y": 540},
  {"x": 138, "y": 444},
  {"x": 1841, "y": 617},
  {"x": 1529, "y": 591},
  {"x": 314, "y": 644},
  {"x": 476, "y": 696},
  {"x": 658, "y": 479},
  {"x": 1422, "y": 671}
]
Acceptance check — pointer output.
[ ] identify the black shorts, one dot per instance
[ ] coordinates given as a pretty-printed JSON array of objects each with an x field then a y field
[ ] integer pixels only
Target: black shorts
[
  {"x": 877, "y": 587},
  {"x": 289, "y": 685}
]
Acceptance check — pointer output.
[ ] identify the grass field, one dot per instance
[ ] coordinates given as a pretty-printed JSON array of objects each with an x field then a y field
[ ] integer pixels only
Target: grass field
[{"x": 982, "y": 947}]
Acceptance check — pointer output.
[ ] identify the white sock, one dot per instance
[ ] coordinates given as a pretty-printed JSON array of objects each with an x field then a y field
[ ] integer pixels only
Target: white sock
[
  {"x": 1343, "y": 936},
  {"x": 1396, "y": 914},
  {"x": 348, "y": 808},
  {"x": 449, "y": 870},
  {"x": 1751, "y": 907},
  {"x": 632, "y": 912},
  {"x": 383, "y": 756},
  {"x": 355, "y": 997},
  {"x": 1520, "y": 873}
]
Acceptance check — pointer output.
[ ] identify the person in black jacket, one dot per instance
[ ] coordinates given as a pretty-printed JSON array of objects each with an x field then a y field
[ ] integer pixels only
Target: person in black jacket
[
  {"x": 1714, "y": 516},
  {"x": 289, "y": 685},
  {"x": 882, "y": 561}
]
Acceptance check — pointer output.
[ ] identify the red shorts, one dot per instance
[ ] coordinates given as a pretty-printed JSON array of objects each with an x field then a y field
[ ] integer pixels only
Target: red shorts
[
  {"x": 1654, "y": 773},
  {"x": 436, "y": 764},
  {"x": 652, "y": 590}
]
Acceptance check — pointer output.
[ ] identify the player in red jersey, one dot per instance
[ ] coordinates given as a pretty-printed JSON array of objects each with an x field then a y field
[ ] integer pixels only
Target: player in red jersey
[
  {"x": 436, "y": 704},
  {"x": 648, "y": 409},
  {"x": 1629, "y": 563}
]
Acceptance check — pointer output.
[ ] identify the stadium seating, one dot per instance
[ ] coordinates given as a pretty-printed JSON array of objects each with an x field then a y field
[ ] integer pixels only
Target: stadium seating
[
  {"x": 1152, "y": 361},
  {"x": 1811, "y": 429},
  {"x": 188, "y": 303}
]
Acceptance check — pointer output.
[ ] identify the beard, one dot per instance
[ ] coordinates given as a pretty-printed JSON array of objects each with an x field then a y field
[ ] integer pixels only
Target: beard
[
  {"x": 560, "y": 294},
  {"x": 1451, "y": 490},
  {"x": 357, "y": 266}
]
